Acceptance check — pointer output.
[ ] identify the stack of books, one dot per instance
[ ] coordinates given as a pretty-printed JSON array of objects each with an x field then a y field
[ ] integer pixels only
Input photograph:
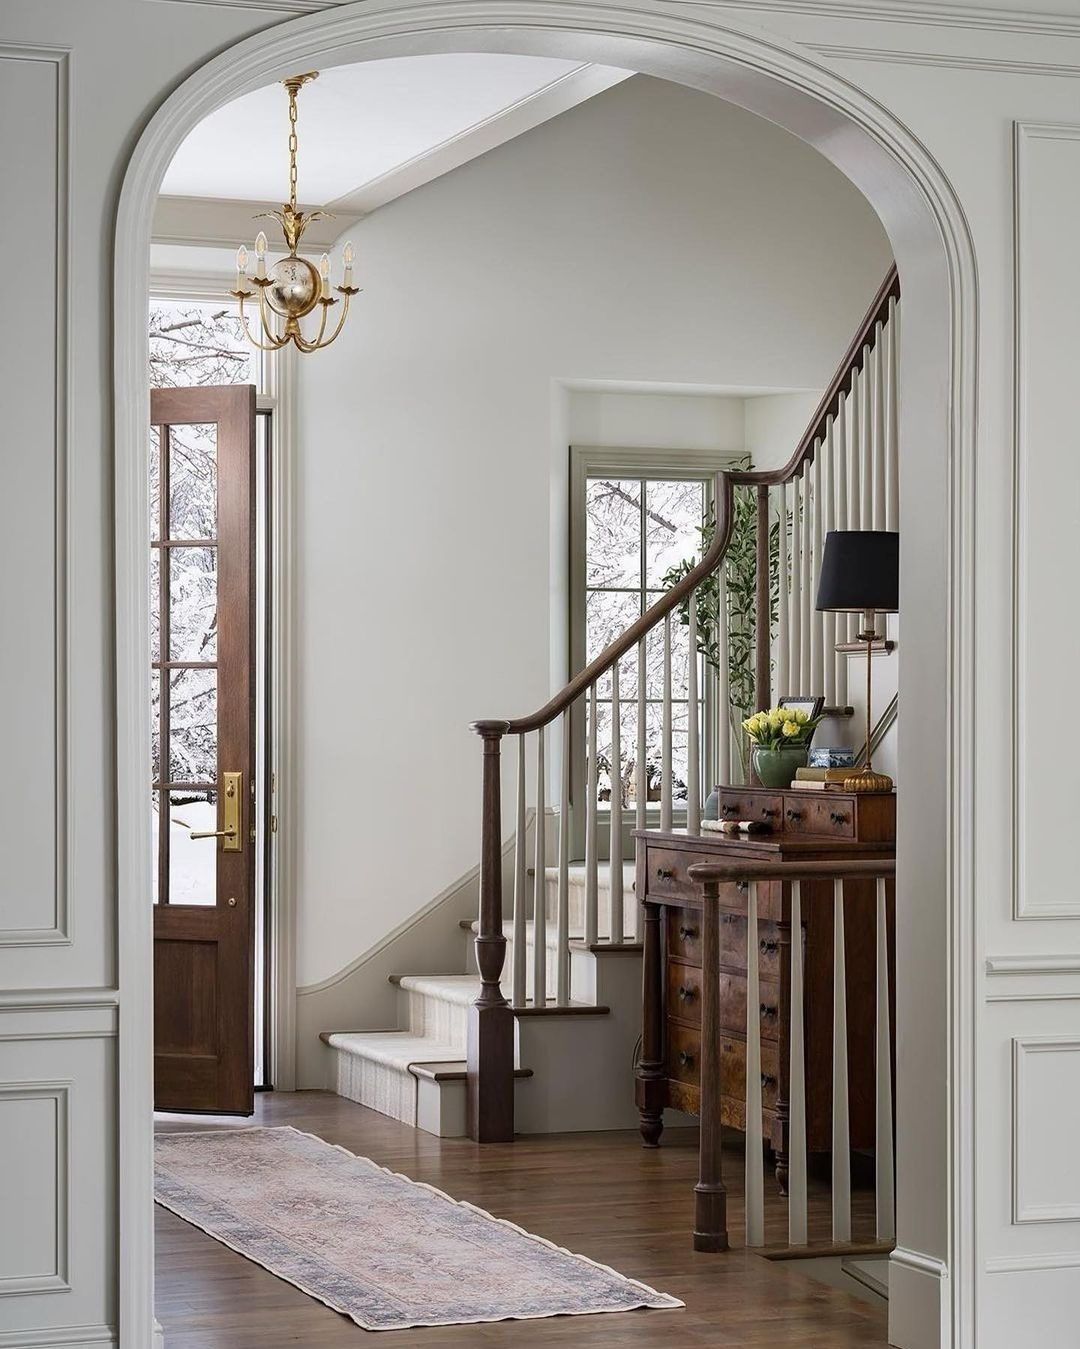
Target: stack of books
[{"x": 822, "y": 779}]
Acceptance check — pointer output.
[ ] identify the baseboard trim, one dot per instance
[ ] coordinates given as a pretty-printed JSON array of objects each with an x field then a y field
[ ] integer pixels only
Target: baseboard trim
[
  {"x": 60, "y": 1337},
  {"x": 920, "y": 1294}
]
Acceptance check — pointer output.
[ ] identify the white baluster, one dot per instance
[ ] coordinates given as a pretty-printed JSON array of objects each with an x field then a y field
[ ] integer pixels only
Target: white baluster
[
  {"x": 797, "y": 1208},
  {"x": 855, "y": 460},
  {"x": 883, "y": 1133},
  {"x": 666, "y": 784},
  {"x": 808, "y": 615},
  {"x": 642, "y": 779},
  {"x": 592, "y": 866},
  {"x": 892, "y": 425},
  {"x": 540, "y": 881},
  {"x": 615, "y": 845},
  {"x": 562, "y": 911},
  {"x": 813, "y": 617},
  {"x": 866, "y": 441},
  {"x": 783, "y": 678},
  {"x": 795, "y": 599},
  {"x": 521, "y": 900},
  {"x": 642, "y": 788},
  {"x": 828, "y": 496},
  {"x": 841, "y": 1146},
  {"x": 878, "y": 372},
  {"x": 641, "y": 775},
  {"x": 723, "y": 696},
  {"x": 755, "y": 1161},
  {"x": 693, "y": 740},
  {"x": 840, "y": 626}
]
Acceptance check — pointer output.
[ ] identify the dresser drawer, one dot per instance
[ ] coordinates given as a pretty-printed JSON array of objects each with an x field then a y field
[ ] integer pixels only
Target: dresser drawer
[
  {"x": 733, "y": 1006},
  {"x": 733, "y": 945},
  {"x": 684, "y": 935},
  {"x": 829, "y": 814},
  {"x": 684, "y": 1053},
  {"x": 667, "y": 872},
  {"x": 684, "y": 992},
  {"x": 744, "y": 805},
  {"x": 733, "y": 1070}
]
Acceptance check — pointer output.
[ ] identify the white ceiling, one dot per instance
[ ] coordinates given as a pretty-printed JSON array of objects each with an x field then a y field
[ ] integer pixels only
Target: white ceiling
[{"x": 361, "y": 122}]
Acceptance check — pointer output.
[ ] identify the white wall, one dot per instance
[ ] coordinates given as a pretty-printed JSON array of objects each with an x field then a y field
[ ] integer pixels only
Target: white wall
[
  {"x": 958, "y": 81},
  {"x": 644, "y": 239}
]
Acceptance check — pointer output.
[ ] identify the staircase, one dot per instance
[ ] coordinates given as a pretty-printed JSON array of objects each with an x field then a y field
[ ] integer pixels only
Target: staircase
[
  {"x": 475, "y": 1049},
  {"x": 572, "y": 1063}
]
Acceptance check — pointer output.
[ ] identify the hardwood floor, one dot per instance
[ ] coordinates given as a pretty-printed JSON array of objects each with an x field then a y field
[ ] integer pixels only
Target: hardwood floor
[{"x": 602, "y": 1195}]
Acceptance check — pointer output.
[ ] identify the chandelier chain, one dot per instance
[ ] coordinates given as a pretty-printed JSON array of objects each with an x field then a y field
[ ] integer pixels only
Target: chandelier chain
[{"x": 292, "y": 148}]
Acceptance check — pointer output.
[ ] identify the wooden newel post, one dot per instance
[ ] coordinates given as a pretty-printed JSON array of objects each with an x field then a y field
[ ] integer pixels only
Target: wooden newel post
[
  {"x": 490, "y": 1085},
  {"x": 710, "y": 1193},
  {"x": 762, "y": 606}
]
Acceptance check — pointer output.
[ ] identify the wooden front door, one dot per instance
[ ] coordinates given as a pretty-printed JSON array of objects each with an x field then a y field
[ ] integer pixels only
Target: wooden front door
[{"x": 202, "y": 688}]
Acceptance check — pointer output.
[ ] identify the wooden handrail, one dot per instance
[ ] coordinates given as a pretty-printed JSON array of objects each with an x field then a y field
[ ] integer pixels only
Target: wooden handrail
[
  {"x": 725, "y": 485},
  {"x": 853, "y": 869}
]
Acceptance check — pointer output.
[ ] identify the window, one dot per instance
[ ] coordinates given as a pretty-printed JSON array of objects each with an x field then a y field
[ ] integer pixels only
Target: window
[{"x": 635, "y": 514}]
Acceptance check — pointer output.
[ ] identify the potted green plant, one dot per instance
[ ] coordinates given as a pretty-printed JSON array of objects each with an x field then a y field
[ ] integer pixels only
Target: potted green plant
[{"x": 781, "y": 743}]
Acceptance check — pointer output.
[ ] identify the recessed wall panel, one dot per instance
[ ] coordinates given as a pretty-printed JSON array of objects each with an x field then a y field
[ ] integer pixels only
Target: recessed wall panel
[
  {"x": 1047, "y": 883},
  {"x": 33, "y": 150}
]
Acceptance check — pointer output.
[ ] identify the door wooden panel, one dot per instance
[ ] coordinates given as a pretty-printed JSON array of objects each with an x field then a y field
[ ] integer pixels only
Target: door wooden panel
[{"x": 202, "y": 506}]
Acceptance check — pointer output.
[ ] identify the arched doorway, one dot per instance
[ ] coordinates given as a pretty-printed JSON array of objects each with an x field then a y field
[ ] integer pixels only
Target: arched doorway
[{"x": 930, "y": 242}]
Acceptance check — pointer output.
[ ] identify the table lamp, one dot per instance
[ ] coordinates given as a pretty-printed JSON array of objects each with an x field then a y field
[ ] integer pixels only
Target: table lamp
[{"x": 860, "y": 574}]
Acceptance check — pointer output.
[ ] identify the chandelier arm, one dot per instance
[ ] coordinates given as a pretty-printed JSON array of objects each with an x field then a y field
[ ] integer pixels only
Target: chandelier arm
[
  {"x": 316, "y": 343},
  {"x": 274, "y": 344},
  {"x": 340, "y": 324}
]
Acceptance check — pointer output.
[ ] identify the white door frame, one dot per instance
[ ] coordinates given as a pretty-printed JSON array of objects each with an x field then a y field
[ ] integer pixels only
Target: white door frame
[{"x": 718, "y": 53}]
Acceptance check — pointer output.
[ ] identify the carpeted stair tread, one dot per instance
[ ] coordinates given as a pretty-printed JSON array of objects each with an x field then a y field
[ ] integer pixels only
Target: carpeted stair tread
[{"x": 396, "y": 1049}]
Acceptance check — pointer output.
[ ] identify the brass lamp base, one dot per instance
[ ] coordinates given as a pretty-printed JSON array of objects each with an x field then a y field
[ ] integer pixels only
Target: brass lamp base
[{"x": 868, "y": 781}]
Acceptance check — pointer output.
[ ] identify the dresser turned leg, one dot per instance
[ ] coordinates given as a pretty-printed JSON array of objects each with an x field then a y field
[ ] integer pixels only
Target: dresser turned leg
[{"x": 652, "y": 1126}]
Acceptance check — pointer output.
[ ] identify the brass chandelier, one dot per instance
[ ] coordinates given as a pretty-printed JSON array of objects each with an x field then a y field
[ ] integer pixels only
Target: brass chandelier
[{"x": 293, "y": 287}]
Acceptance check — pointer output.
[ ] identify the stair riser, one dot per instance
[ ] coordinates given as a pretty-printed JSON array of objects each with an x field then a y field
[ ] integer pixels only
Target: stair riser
[
  {"x": 576, "y": 907},
  {"x": 425, "y": 1014}
]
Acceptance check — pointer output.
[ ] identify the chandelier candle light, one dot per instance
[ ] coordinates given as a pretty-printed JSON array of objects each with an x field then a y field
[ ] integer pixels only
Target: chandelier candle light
[{"x": 293, "y": 287}]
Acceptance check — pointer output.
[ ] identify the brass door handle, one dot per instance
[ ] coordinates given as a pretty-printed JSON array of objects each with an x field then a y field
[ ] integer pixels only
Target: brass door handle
[
  {"x": 231, "y": 797},
  {"x": 664, "y": 874}
]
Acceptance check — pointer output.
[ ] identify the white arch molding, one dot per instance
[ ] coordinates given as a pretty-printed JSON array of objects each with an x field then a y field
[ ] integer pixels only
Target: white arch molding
[{"x": 717, "y": 54}]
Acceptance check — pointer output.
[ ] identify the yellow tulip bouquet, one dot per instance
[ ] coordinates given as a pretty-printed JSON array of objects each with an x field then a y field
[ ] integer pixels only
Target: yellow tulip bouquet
[{"x": 781, "y": 727}]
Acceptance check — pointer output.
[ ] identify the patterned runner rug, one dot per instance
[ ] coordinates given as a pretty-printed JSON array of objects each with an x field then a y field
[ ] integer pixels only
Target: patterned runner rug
[{"x": 380, "y": 1248}]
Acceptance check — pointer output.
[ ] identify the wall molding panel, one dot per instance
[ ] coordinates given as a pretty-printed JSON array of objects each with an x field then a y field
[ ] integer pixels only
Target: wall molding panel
[
  {"x": 1046, "y": 183},
  {"x": 40, "y": 79},
  {"x": 1042, "y": 1093},
  {"x": 44, "y": 1106}
]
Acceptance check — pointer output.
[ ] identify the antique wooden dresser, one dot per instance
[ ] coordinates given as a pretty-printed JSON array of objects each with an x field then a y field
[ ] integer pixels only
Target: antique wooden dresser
[{"x": 804, "y": 825}]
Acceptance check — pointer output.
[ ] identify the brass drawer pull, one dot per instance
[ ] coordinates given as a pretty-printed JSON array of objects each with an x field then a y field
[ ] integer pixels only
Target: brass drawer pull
[
  {"x": 687, "y": 994},
  {"x": 767, "y": 1011},
  {"x": 838, "y": 817},
  {"x": 687, "y": 933},
  {"x": 742, "y": 887},
  {"x": 685, "y": 1059},
  {"x": 768, "y": 947},
  {"x": 769, "y": 812},
  {"x": 664, "y": 874},
  {"x": 794, "y": 814},
  {"x": 767, "y": 1080},
  {"x": 729, "y": 810}
]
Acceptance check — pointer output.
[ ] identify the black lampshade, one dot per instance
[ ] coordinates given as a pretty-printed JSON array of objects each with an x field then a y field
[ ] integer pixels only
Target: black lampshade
[{"x": 860, "y": 570}]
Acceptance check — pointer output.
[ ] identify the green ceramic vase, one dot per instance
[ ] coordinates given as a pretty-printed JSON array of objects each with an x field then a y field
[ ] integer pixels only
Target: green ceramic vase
[{"x": 776, "y": 767}]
